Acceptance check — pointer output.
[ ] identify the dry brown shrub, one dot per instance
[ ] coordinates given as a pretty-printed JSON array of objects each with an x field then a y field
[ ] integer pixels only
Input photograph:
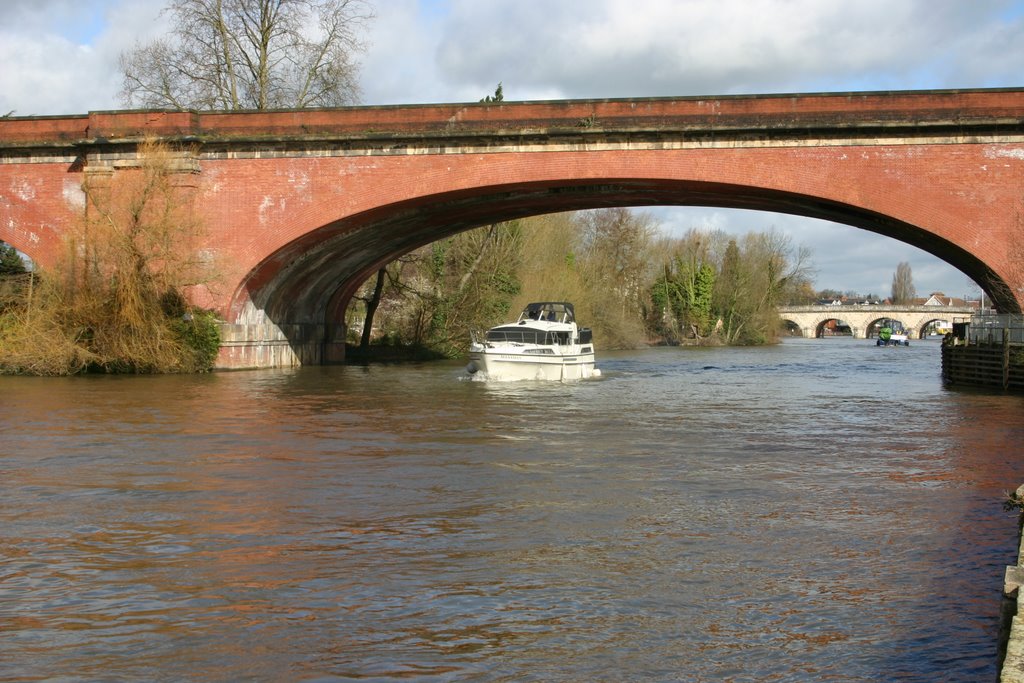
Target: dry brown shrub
[
  {"x": 112, "y": 302},
  {"x": 34, "y": 338}
]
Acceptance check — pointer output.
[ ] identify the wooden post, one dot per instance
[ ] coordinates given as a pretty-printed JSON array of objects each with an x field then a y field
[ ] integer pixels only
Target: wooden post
[{"x": 1006, "y": 358}]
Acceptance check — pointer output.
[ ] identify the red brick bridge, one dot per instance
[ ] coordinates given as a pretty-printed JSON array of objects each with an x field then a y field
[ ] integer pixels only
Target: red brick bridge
[{"x": 301, "y": 206}]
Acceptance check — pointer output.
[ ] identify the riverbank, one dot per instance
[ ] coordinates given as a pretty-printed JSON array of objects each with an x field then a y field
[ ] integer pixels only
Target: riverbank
[
  {"x": 1012, "y": 627},
  {"x": 381, "y": 353}
]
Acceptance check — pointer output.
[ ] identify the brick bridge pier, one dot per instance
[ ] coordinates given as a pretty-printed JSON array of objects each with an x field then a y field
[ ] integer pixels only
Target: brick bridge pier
[{"x": 301, "y": 206}]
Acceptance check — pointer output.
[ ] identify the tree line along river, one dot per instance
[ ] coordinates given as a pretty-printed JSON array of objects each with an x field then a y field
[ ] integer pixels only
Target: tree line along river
[{"x": 816, "y": 510}]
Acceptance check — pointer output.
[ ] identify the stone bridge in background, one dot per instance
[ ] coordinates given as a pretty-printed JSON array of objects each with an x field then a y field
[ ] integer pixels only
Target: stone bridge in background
[
  {"x": 301, "y": 206},
  {"x": 812, "y": 321}
]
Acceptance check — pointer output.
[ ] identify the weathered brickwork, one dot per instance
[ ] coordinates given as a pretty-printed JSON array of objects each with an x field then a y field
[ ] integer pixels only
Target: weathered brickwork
[{"x": 300, "y": 206}]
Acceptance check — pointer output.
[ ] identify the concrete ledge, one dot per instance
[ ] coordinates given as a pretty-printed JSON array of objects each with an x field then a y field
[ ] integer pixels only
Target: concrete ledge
[
  {"x": 1013, "y": 580},
  {"x": 1012, "y": 669},
  {"x": 1013, "y": 664}
]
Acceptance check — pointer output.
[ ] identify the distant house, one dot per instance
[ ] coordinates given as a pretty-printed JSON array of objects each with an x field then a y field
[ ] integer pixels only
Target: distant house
[
  {"x": 846, "y": 301},
  {"x": 940, "y": 299}
]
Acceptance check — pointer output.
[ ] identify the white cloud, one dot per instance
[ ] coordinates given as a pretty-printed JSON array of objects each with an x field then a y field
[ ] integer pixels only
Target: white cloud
[
  {"x": 60, "y": 56},
  {"x": 643, "y": 48},
  {"x": 399, "y": 65},
  {"x": 52, "y": 78}
]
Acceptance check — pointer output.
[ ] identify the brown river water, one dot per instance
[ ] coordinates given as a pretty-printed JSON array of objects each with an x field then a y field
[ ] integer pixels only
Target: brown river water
[{"x": 820, "y": 510}]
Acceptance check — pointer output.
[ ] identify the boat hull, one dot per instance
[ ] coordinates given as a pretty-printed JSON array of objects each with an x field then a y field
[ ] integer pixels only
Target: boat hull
[
  {"x": 894, "y": 340},
  {"x": 509, "y": 366}
]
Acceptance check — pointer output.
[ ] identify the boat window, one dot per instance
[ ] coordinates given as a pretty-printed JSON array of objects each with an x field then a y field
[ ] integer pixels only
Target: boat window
[{"x": 518, "y": 335}]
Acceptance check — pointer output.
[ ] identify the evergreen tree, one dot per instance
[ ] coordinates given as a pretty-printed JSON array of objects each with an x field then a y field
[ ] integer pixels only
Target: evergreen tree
[
  {"x": 10, "y": 261},
  {"x": 683, "y": 297},
  {"x": 497, "y": 97},
  {"x": 731, "y": 295}
]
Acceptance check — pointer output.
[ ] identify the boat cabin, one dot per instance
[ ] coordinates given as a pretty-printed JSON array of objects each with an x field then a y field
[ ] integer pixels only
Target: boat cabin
[{"x": 549, "y": 311}]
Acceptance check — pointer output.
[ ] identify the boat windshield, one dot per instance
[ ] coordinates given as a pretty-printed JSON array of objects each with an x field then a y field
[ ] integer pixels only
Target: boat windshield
[
  {"x": 526, "y": 335},
  {"x": 553, "y": 311}
]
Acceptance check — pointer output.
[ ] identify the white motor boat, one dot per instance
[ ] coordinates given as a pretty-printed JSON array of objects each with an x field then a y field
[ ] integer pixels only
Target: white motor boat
[{"x": 545, "y": 343}]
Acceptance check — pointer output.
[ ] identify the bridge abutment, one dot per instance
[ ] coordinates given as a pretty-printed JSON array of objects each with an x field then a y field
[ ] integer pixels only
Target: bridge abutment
[{"x": 267, "y": 345}]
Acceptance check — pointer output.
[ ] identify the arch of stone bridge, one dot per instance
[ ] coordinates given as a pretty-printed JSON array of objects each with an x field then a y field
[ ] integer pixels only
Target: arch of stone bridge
[
  {"x": 814, "y": 326},
  {"x": 312, "y": 278},
  {"x": 922, "y": 325},
  {"x": 819, "y": 326},
  {"x": 914, "y": 325}
]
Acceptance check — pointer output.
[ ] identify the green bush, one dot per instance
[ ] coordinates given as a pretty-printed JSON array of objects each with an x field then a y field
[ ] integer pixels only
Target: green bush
[{"x": 199, "y": 333}]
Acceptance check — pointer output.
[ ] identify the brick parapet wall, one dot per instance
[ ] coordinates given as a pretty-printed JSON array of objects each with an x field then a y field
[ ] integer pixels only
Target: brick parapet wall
[{"x": 817, "y": 114}]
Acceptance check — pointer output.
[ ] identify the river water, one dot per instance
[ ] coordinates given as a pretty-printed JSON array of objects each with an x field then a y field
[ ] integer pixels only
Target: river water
[{"x": 816, "y": 510}]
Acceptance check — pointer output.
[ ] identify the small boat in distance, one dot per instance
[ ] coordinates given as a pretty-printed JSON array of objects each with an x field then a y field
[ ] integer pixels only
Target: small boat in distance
[
  {"x": 889, "y": 336},
  {"x": 545, "y": 343}
]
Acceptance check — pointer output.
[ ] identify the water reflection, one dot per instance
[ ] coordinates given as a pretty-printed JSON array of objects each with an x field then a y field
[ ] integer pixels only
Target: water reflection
[{"x": 815, "y": 511}]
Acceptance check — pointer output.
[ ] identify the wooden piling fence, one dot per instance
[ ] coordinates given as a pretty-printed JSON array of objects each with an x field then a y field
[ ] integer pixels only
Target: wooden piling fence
[{"x": 983, "y": 356}]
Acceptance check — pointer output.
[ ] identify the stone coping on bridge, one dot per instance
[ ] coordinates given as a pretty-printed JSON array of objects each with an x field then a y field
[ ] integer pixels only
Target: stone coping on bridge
[{"x": 811, "y": 114}]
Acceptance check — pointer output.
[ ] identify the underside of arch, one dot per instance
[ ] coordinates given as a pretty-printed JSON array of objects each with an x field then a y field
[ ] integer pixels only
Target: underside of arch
[
  {"x": 822, "y": 325},
  {"x": 311, "y": 279}
]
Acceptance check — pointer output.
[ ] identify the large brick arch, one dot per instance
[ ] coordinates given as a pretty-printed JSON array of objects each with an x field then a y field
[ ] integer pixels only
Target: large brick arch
[
  {"x": 301, "y": 206},
  {"x": 313, "y": 277}
]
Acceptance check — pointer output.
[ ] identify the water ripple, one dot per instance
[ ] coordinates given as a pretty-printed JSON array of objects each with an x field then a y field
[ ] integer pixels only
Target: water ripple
[{"x": 814, "y": 511}]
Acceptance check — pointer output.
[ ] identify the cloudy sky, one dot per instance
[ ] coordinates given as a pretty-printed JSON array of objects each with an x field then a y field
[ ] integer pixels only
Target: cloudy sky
[{"x": 60, "y": 57}]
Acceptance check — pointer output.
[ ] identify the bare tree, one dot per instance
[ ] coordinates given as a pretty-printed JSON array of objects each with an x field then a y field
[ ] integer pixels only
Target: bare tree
[
  {"x": 903, "y": 291},
  {"x": 617, "y": 243},
  {"x": 250, "y": 54},
  {"x": 617, "y": 264}
]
